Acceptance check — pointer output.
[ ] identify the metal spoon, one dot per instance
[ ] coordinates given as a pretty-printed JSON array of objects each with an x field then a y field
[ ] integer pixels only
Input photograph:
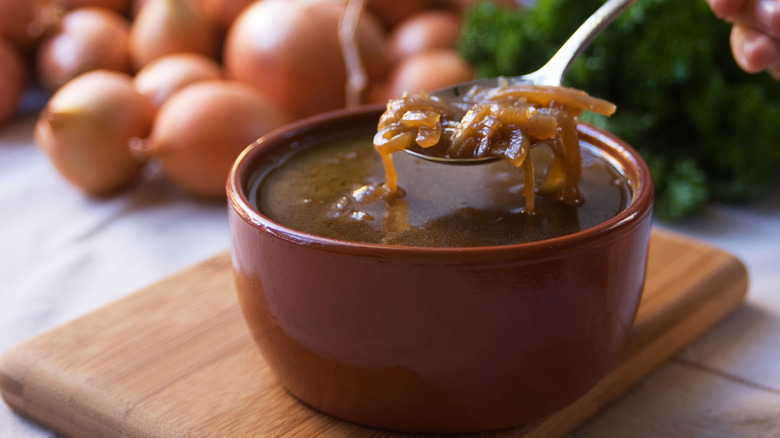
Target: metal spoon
[{"x": 552, "y": 73}]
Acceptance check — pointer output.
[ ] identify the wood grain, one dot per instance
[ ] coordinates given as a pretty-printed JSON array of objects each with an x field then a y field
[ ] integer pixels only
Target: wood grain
[{"x": 176, "y": 360}]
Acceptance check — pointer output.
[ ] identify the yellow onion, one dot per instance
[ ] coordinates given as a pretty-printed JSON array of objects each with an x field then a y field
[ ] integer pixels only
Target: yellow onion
[
  {"x": 462, "y": 6},
  {"x": 136, "y": 6},
  {"x": 13, "y": 78},
  {"x": 164, "y": 76},
  {"x": 427, "y": 30},
  {"x": 120, "y": 6},
  {"x": 23, "y": 21},
  {"x": 223, "y": 12},
  {"x": 392, "y": 12},
  {"x": 85, "y": 39},
  {"x": 290, "y": 51},
  {"x": 200, "y": 131},
  {"x": 425, "y": 71},
  {"x": 163, "y": 27},
  {"x": 86, "y": 127}
]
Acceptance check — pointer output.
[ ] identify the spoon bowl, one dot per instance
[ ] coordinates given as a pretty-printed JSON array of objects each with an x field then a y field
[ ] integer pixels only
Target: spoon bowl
[{"x": 551, "y": 74}]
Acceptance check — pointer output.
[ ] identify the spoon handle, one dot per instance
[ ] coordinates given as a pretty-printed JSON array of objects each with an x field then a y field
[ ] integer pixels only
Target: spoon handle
[{"x": 553, "y": 72}]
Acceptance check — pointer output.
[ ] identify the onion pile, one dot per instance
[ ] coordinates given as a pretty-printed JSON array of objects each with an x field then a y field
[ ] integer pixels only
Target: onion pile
[{"x": 187, "y": 84}]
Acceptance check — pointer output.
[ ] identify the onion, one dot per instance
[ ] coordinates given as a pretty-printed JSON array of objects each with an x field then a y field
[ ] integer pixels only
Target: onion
[
  {"x": 85, "y": 39},
  {"x": 392, "y": 12},
  {"x": 200, "y": 131},
  {"x": 86, "y": 127},
  {"x": 223, "y": 12},
  {"x": 23, "y": 21},
  {"x": 136, "y": 6},
  {"x": 120, "y": 6},
  {"x": 461, "y": 6},
  {"x": 163, "y": 27},
  {"x": 162, "y": 77},
  {"x": 13, "y": 78},
  {"x": 434, "y": 29},
  {"x": 426, "y": 71},
  {"x": 290, "y": 51}
]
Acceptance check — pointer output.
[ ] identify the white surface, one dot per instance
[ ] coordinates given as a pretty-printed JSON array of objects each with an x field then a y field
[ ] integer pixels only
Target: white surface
[{"x": 63, "y": 254}]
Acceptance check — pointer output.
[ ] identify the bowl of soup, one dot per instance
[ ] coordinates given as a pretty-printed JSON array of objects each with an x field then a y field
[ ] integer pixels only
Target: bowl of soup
[{"x": 449, "y": 309}]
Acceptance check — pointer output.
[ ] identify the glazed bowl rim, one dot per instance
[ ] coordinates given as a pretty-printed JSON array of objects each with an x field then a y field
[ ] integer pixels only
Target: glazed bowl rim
[{"x": 639, "y": 207}]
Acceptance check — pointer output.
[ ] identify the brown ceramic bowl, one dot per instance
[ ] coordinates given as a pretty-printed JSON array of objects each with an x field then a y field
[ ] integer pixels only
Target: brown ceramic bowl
[{"x": 436, "y": 339}]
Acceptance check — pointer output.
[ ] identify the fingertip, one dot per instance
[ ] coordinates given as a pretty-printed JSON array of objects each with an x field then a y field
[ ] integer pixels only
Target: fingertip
[
  {"x": 726, "y": 8},
  {"x": 774, "y": 71},
  {"x": 753, "y": 51},
  {"x": 767, "y": 14}
]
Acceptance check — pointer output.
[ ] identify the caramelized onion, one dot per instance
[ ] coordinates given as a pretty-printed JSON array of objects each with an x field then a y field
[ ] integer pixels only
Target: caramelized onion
[
  {"x": 571, "y": 98},
  {"x": 506, "y": 121}
]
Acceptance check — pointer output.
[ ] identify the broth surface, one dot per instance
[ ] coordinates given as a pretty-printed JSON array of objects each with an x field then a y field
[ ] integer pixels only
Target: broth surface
[{"x": 328, "y": 190}]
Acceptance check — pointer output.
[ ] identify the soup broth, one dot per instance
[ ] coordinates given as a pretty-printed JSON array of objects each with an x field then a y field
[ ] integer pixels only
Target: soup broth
[{"x": 328, "y": 189}]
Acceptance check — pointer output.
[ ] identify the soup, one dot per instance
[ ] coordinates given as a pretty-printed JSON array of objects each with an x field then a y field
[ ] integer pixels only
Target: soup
[
  {"x": 412, "y": 338},
  {"x": 328, "y": 188}
]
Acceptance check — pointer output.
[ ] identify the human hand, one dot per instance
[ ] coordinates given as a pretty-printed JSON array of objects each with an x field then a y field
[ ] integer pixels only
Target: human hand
[{"x": 755, "y": 34}]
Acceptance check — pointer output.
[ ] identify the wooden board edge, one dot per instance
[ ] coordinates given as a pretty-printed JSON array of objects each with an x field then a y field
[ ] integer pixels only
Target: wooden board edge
[
  {"x": 717, "y": 299},
  {"x": 21, "y": 363}
]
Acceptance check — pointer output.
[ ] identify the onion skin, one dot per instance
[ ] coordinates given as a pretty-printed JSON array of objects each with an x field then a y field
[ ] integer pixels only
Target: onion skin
[
  {"x": 392, "y": 12},
  {"x": 136, "y": 6},
  {"x": 200, "y": 131},
  {"x": 120, "y": 6},
  {"x": 164, "y": 27},
  {"x": 14, "y": 76},
  {"x": 224, "y": 12},
  {"x": 428, "y": 30},
  {"x": 86, "y": 127},
  {"x": 166, "y": 75},
  {"x": 290, "y": 51},
  {"x": 23, "y": 21},
  {"x": 460, "y": 6},
  {"x": 85, "y": 39},
  {"x": 427, "y": 71}
]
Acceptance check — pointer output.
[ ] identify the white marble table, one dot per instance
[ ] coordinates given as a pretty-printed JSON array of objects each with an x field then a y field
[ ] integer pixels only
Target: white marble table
[{"x": 63, "y": 254}]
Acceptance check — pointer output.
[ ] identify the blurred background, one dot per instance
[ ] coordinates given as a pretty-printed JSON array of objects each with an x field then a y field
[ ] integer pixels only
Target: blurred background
[
  {"x": 119, "y": 120},
  {"x": 706, "y": 128}
]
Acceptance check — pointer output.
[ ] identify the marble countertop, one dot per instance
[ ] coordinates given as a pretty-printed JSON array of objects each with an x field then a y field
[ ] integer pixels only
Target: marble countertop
[{"x": 63, "y": 254}]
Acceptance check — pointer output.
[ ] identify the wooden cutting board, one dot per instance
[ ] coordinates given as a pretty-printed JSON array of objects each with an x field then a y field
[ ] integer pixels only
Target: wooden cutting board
[{"x": 176, "y": 359}]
